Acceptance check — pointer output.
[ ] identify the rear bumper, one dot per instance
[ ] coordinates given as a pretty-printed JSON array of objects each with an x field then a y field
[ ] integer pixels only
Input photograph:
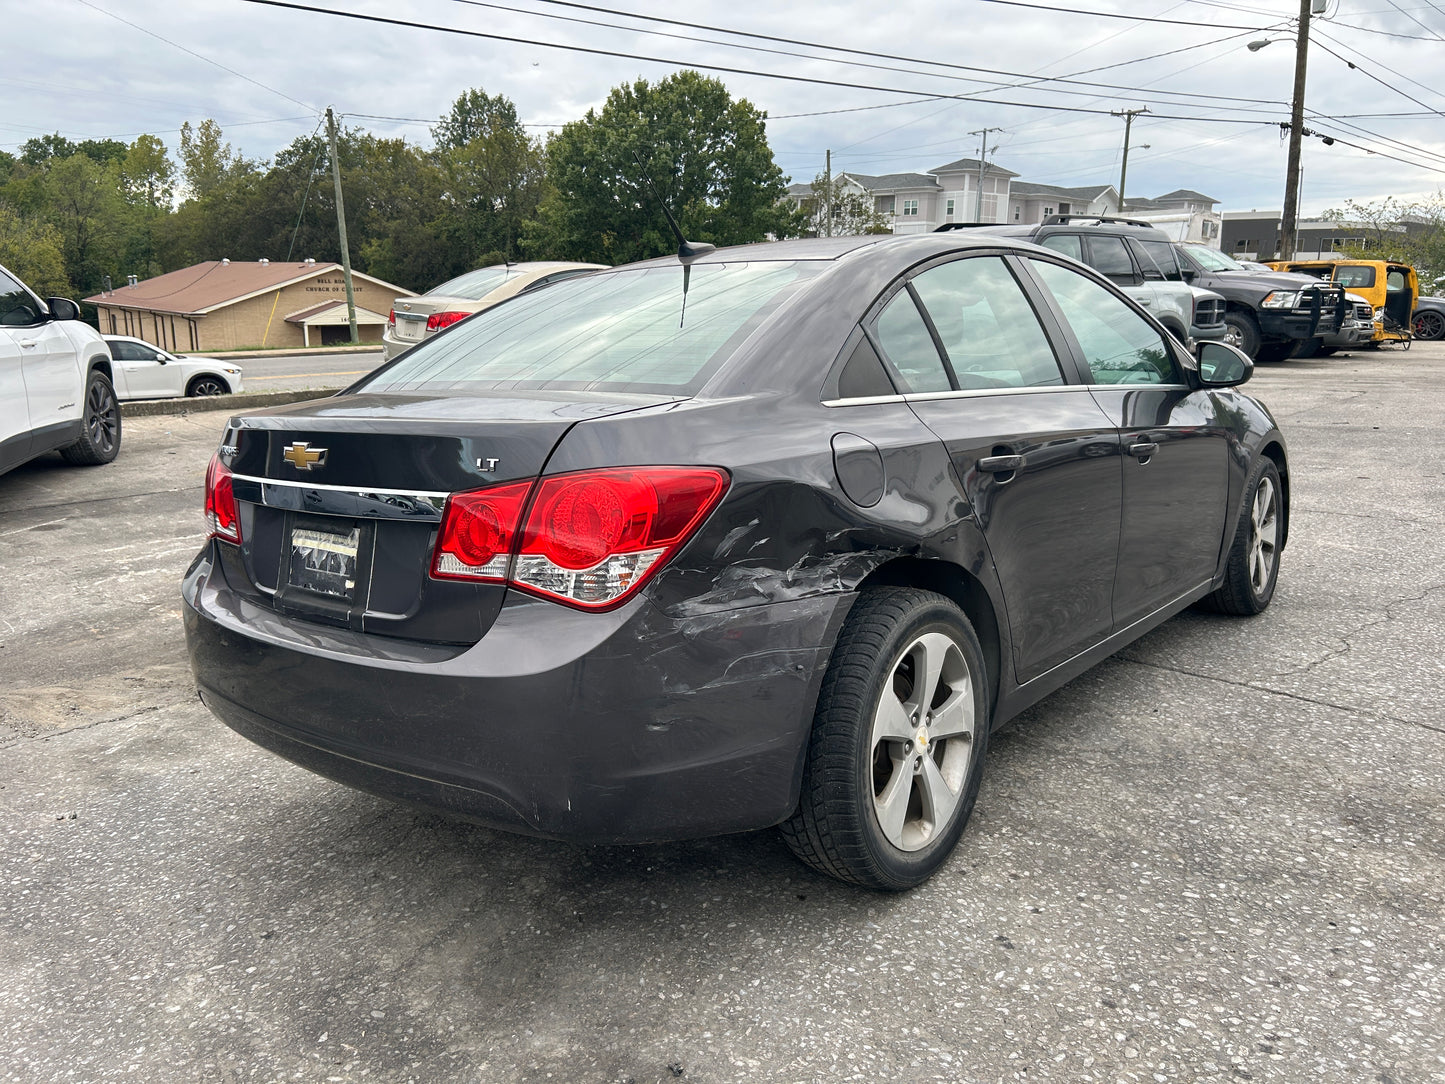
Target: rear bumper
[{"x": 624, "y": 727}]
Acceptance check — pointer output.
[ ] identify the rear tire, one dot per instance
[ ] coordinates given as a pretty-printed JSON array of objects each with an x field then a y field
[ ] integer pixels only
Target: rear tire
[
  {"x": 1252, "y": 569},
  {"x": 1271, "y": 353},
  {"x": 100, "y": 433},
  {"x": 1308, "y": 348},
  {"x": 1242, "y": 330},
  {"x": 896, "y": 755}
]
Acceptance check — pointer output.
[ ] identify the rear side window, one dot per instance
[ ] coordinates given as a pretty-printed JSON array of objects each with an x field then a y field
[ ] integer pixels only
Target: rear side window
[
  {"x": 906, "y": 340},
  {"x": 987, "y": 326},
  {"x": 1161, "y": 255},
  {"x": 625, "y": 331},
  {"x": 1067, "y": 243},
  {"x": 1355, "y": 278},
  {"x": 1110, "y": 256},
  {"x": 1119, "y": 345}
]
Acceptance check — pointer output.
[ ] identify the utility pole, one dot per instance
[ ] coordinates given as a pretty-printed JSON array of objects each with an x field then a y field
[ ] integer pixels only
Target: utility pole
[
  {"x": 1128, "y": 115},
  {"x": 341, "y": 222},
  {"x": 982, "y": 134},
  {"x": 1290, "y": 220},
  {"x": 828, "y": 193}
]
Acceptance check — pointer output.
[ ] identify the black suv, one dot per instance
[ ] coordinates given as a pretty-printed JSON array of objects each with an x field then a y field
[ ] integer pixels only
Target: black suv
[
  {"x": 1271, "y": 314},
  {"x": 1127, "y": 252}
]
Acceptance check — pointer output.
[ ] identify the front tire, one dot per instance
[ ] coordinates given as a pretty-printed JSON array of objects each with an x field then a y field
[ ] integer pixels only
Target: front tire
[
  {"x": 100, "y": 433},
  {"x": 1252, "y": 569},
  {"x": 207, "y": 385},
  {"x": 896, "y": 754},
  {"x": 1242, "y": 330}
]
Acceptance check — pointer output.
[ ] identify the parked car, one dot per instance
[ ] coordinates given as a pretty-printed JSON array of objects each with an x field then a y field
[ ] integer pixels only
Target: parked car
[
  {"x": 1428, "y": 320},
  {"x": 1390, "y": 288},
  {"x": 145, "y": 371},
  {"x": 1271, "y": 313},
  {"x": 413, "y": 319},
  {"x": 55, "y": 388},
  {"x": 774, "y": 538},
  {"x": 1123, "y": 250}
]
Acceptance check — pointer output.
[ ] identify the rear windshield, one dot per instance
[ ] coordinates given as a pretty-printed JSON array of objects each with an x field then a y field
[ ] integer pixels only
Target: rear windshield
[
  {"x": 474, "y": 285},
  {"x": 623, "y": 331}
]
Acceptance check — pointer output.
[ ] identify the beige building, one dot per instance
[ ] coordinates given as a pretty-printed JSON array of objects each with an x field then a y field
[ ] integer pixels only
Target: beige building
[{"x": 235, "y": 305}]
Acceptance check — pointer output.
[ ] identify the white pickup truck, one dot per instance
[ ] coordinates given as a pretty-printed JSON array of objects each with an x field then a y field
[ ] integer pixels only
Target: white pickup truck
[{"x": 55, "y": 381}]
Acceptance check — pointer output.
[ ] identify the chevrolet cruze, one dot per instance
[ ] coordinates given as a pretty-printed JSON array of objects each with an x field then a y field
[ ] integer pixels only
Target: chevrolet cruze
[{"x": 774, "y": 535}]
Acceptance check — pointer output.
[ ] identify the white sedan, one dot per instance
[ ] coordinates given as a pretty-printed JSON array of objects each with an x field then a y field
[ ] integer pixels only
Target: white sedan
[{"x": 145, "y": 371}]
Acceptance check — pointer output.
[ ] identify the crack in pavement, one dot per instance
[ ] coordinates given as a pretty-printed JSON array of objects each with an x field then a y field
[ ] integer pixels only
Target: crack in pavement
[
  {"x": 48, "y": 734},
  {"x": 1346, "y": 639},
  {"x": 1256, "y": 687}
]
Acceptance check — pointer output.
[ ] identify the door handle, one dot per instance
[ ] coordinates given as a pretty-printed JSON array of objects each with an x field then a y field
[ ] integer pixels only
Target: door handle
[
  {"x": 1144, "y": 301},
  {"x": 1143, "y": 449},
  {"x": 28, "y": 344},
  {"x": 1000, "y": 464}
]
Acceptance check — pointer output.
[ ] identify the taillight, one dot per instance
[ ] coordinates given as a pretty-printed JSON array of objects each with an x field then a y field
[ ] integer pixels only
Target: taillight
[
  {"x": 391, "y": 319},
  {"x": 591, "y": 538},
  {"x": 439, "y": 321},
  {"x": 221, "y": 514},
  {"x": 478, "y": 532}
]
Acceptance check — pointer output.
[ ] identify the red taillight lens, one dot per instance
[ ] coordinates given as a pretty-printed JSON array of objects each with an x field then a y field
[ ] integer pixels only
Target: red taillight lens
[
  {"x": 478, "y": 529},
  {"x": 391, "y": 319},
  {"x": 591, "y": 538},
  {"x": 221, "y": 514},
  {"x": 438, "y": 321}
]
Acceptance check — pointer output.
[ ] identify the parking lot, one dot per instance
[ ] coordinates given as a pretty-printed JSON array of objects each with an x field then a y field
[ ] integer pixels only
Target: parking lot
[{"x": 1218, "y": 856}]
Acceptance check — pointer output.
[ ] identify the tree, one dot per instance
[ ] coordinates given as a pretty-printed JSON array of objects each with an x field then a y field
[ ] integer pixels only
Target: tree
[
  {"x": 206, "y": 161},
  {"x": 31, "y": 248},
  {"x": 853, "y": 212},
  {"x": 102, "y": 150},
  {"x": 706, "y": 154},
  {"x": 475, "y": 115},
  {"x": 86, "y": 207},
  {"x": 147, "y": 174},
  {"x": 34, "y": 152},
  {"x": 1411, "y": 232}
]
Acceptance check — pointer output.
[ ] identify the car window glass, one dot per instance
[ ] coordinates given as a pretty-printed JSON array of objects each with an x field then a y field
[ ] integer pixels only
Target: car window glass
[
  {"x": 17, "y": 307},
  {"x": 1355, "y": 278},
  {"x": 1119, "y": 345},
  {"x": 1067, "y": 243},
  {"x": 1109, "y": 256},
  {"x": 1394, "y": 280},
  {"x": 1211, "y": 259},
  {"x": 474, "y": 285},
  {"x": 612, "y": 331},
  {"x": 991, "y": 334},
  {"x": 122, "y": 351},
  {"x": 905, "y": 339},
  {"x": 1161, "y": 254}
]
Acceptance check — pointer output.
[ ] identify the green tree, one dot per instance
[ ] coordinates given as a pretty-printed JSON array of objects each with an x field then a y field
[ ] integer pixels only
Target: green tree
[
  {"x": 475, "y": 115},
  {"x": 41, "y": 149},
  {"x": 705, "y": 153},
  {"x": 86, "y": 207},
  {"x": 853, "y": 212},
  {"x": 1410, "y": 231},
  {"x": 147, "y": 175},
  {"x": 206, "y": 159},
  {"x": 31, "y": 247},
  {"x": 102, "y": 150}
]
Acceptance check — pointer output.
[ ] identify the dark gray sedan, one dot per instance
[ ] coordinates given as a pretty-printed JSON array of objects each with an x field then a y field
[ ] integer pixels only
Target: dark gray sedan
[{"x": 773, "y": 538}]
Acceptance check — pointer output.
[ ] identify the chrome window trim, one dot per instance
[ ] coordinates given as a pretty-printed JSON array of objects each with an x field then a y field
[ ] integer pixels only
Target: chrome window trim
[
  {"x": 425, "y": 505},
  {"x": 976, "y": 393}
]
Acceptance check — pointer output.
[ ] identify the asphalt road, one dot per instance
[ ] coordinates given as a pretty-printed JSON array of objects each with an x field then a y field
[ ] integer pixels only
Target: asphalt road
[
  {"x": 1218, "y": 857},
  {"x": 295, "y": 372}
]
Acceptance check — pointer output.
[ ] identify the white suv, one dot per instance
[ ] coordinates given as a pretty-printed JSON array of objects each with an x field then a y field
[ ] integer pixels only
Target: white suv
[{"x": 55, "y": 389}]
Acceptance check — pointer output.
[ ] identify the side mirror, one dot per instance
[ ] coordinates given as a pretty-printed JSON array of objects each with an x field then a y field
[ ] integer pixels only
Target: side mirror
[
  {"x": 62, "y": 308},
  {"x": 1223, "y": 366}
]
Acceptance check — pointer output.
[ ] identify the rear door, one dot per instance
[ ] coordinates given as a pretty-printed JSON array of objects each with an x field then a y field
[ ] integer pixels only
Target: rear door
[
  {"x": 48, "y": 366},
  {"x": 1174, "y": 440},
  {"x": 1036, "y": 458}
]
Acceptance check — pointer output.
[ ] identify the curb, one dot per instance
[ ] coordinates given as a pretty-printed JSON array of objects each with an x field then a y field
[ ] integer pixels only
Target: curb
[
  {"x": 245, "y": 401},
  {"x": 286, "y": 351}
]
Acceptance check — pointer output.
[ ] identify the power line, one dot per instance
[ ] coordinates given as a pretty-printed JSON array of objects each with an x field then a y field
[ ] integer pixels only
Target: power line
[
  {"x": 254, "y": 82},
  {"x": 1370, "y": 75},
  {"x": 593, "y": 51},
  {"x": 1117, "y": 15},
  {"x": 1417, "y": 22}
]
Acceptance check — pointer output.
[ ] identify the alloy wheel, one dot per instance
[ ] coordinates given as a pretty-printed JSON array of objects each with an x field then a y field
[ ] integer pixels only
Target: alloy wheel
[
  {"x": 1263, "y": 535},
  {"x": 922, "y": 741},
  {"x": 102, "y": 416}
]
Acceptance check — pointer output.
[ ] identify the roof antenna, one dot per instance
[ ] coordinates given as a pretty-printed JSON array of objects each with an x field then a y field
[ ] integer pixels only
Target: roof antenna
[{"x": 687, "y": 251}]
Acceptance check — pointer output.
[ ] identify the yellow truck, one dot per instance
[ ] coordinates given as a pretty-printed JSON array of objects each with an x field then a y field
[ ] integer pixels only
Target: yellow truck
[{"x": 1391, "y": 288}]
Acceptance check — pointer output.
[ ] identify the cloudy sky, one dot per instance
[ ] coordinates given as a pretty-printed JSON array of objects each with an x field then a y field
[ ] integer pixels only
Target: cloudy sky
[{"x": 924, "y": 74}]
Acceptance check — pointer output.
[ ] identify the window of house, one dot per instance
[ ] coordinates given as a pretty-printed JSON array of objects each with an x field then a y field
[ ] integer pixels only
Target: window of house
[
  {"x": 1048, "y": 211},
  {"x": 950, "y": 209},
  {"x": 1063, "y": 208},
  {"x": 910, "y": 207},
  {"x": 892, "y": 205},
  {"x": 1018, "y": 213}
]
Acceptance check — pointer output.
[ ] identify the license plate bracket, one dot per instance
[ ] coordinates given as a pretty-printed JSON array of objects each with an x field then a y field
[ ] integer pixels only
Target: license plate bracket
[{"x": 325, "y": 568}]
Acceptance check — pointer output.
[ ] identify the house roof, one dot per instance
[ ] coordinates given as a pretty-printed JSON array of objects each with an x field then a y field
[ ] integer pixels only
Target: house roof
[
  {"x": 1185, "y": 194},
  {"x": 214, "y": 284},
  {"x": 800, "y": 189},
  {"x": 333, "y": 312},
  {"x": 894, "y": 181},
  {"x": 1087, "y": 194},
  {"x": 970, "y": 165}
]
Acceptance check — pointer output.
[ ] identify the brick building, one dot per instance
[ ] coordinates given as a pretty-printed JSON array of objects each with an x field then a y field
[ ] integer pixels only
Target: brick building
[{"x": 232, "y": 305}]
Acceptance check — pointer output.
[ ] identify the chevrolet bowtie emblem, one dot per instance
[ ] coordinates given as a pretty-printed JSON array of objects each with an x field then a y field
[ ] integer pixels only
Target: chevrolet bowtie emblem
[{"x": 304, "y": 457}]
